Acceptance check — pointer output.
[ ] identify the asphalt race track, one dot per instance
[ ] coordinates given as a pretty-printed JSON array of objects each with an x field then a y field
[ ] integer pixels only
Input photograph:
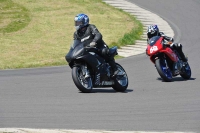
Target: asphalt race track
[{"x": 48, "y": 98}]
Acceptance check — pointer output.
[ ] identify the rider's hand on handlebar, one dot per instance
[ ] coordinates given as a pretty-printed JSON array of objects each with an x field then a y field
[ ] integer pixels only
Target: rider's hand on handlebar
[
  {"x": 92, "y": 44},
  {"x": 168, "y": 43}
]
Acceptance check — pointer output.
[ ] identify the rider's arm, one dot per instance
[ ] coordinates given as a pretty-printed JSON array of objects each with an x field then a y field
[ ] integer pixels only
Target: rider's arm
[
  {"x": 75, "y": 37},
  {"x": 169, "y": 39},
  {"x": 96, "y": 33}
]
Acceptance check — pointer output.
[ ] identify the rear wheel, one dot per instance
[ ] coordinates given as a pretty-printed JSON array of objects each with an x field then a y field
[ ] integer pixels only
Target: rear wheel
[
  {"x": 82, "y": 83},
  {"x": 120, "y": 80},
  {"x": 163, "y": 70},
  {"x": 186, "y": 71}
]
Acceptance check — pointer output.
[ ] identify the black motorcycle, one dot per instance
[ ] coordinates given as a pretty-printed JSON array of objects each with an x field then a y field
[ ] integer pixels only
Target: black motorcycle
[{"x": 89, "y": 70}]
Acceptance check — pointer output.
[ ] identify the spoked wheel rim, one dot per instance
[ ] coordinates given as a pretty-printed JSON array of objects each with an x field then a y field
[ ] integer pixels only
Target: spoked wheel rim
[
  {"x": 122, "y": 77},
  {"x": 85, "y": 82}
]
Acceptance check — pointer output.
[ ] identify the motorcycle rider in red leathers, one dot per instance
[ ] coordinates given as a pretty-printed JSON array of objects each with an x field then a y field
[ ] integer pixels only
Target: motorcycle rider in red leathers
[{"x": 153, "y": 30}]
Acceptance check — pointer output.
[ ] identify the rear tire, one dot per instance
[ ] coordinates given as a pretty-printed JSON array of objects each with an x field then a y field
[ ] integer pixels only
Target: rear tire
[
  {"x": 165, "y": 73},
  {"x": 186, "y": 72},
  {"x": 120, "y": 81},
  {"x": 84, "y": 85}
]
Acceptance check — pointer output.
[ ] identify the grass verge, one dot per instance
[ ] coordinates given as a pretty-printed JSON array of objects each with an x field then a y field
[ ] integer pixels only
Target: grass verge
[{"x": 38, "y": 33}]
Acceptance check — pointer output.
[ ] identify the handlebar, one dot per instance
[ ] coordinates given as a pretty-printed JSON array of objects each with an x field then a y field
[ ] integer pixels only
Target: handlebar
[
  {"x": 88, "y": 47},
  {"x": 168, "y": 43}
]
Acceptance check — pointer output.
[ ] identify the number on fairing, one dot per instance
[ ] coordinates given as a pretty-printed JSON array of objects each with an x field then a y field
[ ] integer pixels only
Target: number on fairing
[{"x": 154, "y": 48}]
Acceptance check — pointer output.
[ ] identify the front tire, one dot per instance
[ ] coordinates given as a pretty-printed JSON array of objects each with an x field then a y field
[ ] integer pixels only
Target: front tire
[
  {"x": 164, "y": 71},
  {"x": 84, "y": 85},
  {"x": 120, "y": 80}
]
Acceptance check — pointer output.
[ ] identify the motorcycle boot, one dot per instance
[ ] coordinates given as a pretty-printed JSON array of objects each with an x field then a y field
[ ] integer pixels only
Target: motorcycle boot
[
  {"x": 185, "y": 62},
  {"x": 180, "y": 52},
  {"x": 109, "y": 57},
  {"x": 183, "y": 58}
]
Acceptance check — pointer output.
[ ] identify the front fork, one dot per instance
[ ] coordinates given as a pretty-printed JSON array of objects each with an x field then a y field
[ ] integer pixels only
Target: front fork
[
  {"x": 85, "y": 71},
  {"x": 167, "y": 67},
  {"x": 165, "y": 61}
]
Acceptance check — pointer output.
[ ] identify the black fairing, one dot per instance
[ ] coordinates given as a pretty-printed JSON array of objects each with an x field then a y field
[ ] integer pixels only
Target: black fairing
[
  {"x": 94, "y": 61},
  {"x": 81, "y": 54},
  {"x": 77, "y": 49}
]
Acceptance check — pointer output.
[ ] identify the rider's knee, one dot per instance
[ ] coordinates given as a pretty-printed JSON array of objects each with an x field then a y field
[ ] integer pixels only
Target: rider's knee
[
  {"x": 178, "y": 45},
  {"x": 105, "y": 51}
]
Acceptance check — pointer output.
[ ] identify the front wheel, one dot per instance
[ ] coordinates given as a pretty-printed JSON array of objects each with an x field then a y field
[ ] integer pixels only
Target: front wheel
[
  {"x": 163, "y": 70},
  {"x": 120, "y": 80},
  {"x": 82, "y": 83}
]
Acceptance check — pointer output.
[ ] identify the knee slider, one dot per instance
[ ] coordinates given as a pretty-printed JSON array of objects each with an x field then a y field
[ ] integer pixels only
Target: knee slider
[
  {"x": 178, "y": 45},
  {"x": 105, "y": 51}
]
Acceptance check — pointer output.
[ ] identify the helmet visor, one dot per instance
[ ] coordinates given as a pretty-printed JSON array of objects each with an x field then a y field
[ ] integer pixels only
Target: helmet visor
[
  {"x": 150, "y": 35},
  {"x": 78, "y": 23}
]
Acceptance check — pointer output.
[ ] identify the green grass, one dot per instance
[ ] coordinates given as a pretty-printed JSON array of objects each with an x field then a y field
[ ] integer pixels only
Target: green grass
[
  {"x": 37, "y": 33},
  {"x": 13, "y": 17},
  {"x": 130, "y": 37}
]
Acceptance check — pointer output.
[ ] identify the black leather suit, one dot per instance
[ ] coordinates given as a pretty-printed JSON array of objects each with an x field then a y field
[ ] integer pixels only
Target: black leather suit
[{"x": 91, "y": 32}]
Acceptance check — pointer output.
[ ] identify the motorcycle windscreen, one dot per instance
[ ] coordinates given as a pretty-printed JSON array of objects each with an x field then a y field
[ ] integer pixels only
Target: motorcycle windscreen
[
  {"x": 79, "y": 42},
  {"x": 153, "y": 40},
  {"x": 77, "y": 49},
  {"x": 154, "y": 45},
  {"x": 76, "y": 43}
]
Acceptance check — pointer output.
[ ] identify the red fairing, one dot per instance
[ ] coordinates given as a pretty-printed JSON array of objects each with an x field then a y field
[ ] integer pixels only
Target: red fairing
[
  {"x": 151, "y": 50},
  {"x": 170, "y": 54},
  {"x": 155, "y": 46}
]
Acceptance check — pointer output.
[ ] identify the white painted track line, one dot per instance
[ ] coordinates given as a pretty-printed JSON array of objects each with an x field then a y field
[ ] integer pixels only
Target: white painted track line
[{"x": 28, "y": 130}]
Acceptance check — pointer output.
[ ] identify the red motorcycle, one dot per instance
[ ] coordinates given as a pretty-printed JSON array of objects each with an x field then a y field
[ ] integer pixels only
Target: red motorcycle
[{"x": 167, "y": 61}]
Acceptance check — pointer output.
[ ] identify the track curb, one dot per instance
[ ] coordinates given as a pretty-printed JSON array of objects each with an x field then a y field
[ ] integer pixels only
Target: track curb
[
  {"x": 28, "y": 130},
  {"x": 146, "y": 17}
]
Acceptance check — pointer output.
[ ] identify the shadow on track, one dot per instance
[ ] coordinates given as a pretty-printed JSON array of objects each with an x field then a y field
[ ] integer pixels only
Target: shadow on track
[
  {"x": 178, "y": 79},
  {"x": 108, "y": 91}
]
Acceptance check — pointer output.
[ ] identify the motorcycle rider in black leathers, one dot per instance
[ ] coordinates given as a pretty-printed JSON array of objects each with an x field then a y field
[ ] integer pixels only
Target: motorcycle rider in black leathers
[
  {"x": 153, "y": 30},
  {"x": 84, "y": 30}
]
